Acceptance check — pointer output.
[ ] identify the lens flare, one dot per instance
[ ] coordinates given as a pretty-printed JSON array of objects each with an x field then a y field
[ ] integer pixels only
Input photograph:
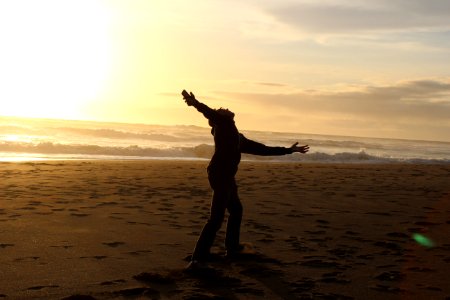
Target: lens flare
[{"x": 423, "y": 240}]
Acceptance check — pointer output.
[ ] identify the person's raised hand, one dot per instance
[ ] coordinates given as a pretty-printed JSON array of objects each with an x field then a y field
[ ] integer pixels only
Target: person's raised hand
[
  {"x": 300, "y": 149},
  {"x": 188, "y": 98}
]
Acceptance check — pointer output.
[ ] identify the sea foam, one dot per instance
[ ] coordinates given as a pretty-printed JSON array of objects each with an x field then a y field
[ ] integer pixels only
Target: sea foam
[{"x": 55, "y": 139}]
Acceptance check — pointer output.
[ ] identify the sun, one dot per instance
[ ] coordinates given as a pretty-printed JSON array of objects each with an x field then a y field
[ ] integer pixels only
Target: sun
[{"x": 55, "y": 56}]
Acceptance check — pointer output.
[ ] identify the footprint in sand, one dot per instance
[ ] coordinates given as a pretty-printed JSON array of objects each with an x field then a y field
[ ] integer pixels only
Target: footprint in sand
[
  {"x": 398, "y": 235},
  {"x": 390, "y": 276},
  {"x": 433, "y": 288},
  {"x": 113, "y": 244},
  {"x": 388, "y": 289},
  {"x": 154, "y": 278},
  {"x": 138, "y": 252},
  {"x": 322, "y": 223},
  {"x": 298, "y": 244},
  {"x": 40, "y": 287},
  {"x": 138, "y": 292},
  {"x": 319, "y": 263},
  {"x": 426, "y": 223},
  {"x": 314, "y": 232},
  {"x": 62, "y": 246},
  {"x": 421, "y": 269},
  {"x": 79, "y": 297},
  {"x": 30, "y": 258},
  {"x": 113, "y": 282},
  {"x": 79, "y": 215},
  {"x": 334, "y": 277},
  {"x": 344, "y": 251},
  {"x": 58, "y": 209},
  {"x": 96, "y": 257},
  {"x": 134, "y": 206},
  {"x": 303, "y": 285}
]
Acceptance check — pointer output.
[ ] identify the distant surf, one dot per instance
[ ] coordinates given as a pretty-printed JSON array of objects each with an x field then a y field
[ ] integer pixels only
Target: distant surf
[{"x": 36, "y": 139}]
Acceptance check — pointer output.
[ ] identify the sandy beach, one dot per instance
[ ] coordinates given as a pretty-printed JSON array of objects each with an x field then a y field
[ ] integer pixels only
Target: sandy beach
[{"x": 124, "y": 230}]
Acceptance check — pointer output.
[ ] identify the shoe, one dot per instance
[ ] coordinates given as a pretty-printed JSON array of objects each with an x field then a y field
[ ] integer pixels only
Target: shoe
[
  {"x": 194, "y": 265},
  {"x": 235, "y": 253},
  {"x": 244, "y": 249}
]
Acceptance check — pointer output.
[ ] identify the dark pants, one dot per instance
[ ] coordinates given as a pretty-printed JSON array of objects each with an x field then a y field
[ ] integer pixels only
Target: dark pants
[{"x": 225, "y": 197}]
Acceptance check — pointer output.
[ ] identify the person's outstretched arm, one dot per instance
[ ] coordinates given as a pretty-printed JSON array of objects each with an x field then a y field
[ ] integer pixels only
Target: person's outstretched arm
[
  {"x": 190, "y": 100},
  {"x": 252, "y": 147}
]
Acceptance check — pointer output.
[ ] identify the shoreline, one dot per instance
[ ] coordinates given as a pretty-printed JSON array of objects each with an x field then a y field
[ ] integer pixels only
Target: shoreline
[
  {"x": 387, "y": 161},
  {"x": 108, "y": 229}
]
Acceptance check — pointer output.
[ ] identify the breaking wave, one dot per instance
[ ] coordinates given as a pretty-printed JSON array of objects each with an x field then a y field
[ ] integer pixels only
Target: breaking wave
[
  {"x": 62, "y": 139},
  {"x": 201, "y": 151}
]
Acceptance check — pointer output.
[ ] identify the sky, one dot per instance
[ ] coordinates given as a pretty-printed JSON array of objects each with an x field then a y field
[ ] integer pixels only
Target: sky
[{"x": 359, "y": 68}]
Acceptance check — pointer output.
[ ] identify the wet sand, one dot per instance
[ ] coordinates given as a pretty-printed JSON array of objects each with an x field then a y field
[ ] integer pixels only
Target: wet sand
[{"x": 124, "y": 229}]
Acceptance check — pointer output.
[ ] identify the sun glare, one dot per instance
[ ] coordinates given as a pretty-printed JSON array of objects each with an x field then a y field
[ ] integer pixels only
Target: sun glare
[{"x": 55, "y": 56}]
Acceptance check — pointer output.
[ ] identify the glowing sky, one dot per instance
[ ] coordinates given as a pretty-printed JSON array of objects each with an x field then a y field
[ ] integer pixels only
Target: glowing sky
[{"x": 366, "y": 68}]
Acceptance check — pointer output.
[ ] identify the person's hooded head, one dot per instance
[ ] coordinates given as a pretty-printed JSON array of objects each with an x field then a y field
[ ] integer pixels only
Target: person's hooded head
[{"x": 224, "y": 112}]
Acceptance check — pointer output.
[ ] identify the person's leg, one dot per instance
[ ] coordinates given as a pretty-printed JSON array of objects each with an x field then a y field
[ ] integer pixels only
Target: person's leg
[
  {"x": 234, "y": 221},
  {"x": 208, "y": 234}
]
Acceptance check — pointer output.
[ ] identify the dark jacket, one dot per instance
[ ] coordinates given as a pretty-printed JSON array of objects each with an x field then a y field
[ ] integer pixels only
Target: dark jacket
[{"x": 229, "y": 143}]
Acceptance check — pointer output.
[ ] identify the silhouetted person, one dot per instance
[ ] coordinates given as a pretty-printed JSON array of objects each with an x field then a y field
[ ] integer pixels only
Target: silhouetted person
[{"x": 229, "y": 144}]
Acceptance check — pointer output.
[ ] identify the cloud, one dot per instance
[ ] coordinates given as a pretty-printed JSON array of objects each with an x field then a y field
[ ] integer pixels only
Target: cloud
[
  {"x": 343, "y": 17},
  {"x": 420, "y": 99},
  {"x": 415, "y": 109},
  {"x": 272, "y": 84}
]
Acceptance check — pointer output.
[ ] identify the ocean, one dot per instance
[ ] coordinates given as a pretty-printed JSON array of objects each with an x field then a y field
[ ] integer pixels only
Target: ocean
[{"x": 41, "y": 139}]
